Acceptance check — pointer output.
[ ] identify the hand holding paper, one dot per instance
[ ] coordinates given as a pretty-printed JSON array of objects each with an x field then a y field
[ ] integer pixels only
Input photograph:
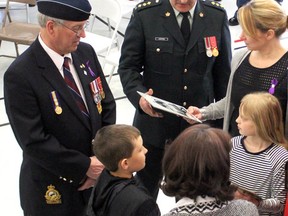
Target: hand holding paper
[
  {"x": 147, "y": 108},
  {"x": 168, "y": 107}
]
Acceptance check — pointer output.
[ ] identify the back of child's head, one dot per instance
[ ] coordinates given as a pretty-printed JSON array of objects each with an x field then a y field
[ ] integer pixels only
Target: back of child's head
[
  {"x": 265, "y": 111},
  {"x": 113, "y": 143},
  {"x": 197, "y": 163}
]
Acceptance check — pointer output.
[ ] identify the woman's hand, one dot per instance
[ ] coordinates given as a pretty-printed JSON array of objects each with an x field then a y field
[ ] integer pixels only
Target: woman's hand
[{"x": 192, "y": 110}]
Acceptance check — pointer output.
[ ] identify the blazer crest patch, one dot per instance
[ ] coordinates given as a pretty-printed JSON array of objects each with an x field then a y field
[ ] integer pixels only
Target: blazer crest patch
[{"x": 52, "y": 195}]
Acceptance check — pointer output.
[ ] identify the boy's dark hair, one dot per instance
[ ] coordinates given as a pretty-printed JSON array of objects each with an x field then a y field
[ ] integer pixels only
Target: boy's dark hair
[
  {"x": 113, "y": 143},
  {"x": 197, "y": 163}
]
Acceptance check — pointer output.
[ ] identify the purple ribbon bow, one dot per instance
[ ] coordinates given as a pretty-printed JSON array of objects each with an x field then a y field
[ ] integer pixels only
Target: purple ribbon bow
[
  {"x": 90, "y": 70},
  {"x": 274, "y": 82}
]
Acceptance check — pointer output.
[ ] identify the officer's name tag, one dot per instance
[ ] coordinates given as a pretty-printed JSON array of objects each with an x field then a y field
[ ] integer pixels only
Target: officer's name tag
[{"x": 161, "y": 38}]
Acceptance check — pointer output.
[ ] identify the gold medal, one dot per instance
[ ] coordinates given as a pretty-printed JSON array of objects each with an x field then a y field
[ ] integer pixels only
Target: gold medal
[
  {"x": 56, "y": 104},
  {"x": 100, "y": 87},
  {"x": 99, "y": 107},
  {"x": 214, "y": 48},
  {"x": 215, "y": 52},
  {"x": 58, "y": 110},
  {"x": 209, "y": 52}
]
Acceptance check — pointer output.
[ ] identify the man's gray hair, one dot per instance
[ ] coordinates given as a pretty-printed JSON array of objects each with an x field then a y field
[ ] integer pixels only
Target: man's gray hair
[{"x": 42, "y": 19}]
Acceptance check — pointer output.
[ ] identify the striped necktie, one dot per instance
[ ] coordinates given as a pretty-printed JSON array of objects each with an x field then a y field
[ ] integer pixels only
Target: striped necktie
[
  {"x": 73, "y": 87},
  {"x": 185, "y": 26}
]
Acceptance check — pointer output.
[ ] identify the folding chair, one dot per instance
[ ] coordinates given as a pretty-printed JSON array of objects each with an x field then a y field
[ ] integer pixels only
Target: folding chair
[
  {"x": 112, "y": 59},
  {"x": 111, "y": 11},
  {"x": 17, "y": 32}
]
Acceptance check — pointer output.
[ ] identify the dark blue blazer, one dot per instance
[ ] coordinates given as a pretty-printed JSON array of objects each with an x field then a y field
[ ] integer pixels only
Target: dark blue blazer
[{"x": 56, "y": 147}]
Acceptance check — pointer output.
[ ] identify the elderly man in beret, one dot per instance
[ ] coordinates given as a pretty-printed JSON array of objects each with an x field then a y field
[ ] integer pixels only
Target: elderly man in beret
[{"x": 56, "y": 98}]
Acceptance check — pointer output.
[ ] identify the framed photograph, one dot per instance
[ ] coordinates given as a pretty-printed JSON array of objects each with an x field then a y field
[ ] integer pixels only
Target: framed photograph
[{"x": 167, "y": 106}]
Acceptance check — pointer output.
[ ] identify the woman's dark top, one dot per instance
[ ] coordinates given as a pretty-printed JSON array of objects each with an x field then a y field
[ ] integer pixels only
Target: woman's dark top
[{"x": 248, "y": 79}]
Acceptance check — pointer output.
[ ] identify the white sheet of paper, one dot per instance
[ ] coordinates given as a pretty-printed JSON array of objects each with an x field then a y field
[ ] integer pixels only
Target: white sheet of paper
[{"x": 168, "y": 106}]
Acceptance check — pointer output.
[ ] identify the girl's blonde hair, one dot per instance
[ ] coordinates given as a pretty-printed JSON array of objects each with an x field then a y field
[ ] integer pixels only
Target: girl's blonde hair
[
  {"x": 262, "y": 15},
  {"x": 265, "y": 111}
]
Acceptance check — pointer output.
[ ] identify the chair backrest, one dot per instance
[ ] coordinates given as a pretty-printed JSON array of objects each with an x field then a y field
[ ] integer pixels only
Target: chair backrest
[
  {"x": 7, "y": 7},
  {"x": 18, "y": 32},
  {"x": 110, "y": 9},
  {"x": 31, "y": 2}
]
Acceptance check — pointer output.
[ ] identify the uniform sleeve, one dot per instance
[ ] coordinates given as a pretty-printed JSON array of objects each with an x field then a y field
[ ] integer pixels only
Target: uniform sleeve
[
  {"x": 278, "y": 192},
  {"x": 222, "y": 66},
  {"x": 132, "y": 60}
]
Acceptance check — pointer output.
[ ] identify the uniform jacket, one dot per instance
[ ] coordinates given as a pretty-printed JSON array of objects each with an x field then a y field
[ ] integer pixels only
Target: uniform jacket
[
  {"x": 185, "y": 75},
  {"x": 56, "y": 147}
]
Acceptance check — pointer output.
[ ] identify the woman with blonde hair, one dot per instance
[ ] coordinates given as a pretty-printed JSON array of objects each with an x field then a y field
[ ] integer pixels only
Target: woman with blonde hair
[
  {"x": 260, "y": 67},
  {"x": 259, "y": 154}
]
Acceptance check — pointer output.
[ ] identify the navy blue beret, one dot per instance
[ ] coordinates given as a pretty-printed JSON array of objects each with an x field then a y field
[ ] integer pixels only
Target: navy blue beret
[{"x": 72, "y": 10}]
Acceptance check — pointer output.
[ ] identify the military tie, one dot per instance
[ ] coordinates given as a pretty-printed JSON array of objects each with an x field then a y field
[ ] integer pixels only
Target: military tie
[
  {"x": 73, "y": 87},
  {"x": 185, "y": 26}
]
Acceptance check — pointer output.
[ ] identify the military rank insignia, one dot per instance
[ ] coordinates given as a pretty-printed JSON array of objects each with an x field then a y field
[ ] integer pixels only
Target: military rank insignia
[
  {"x": 216, "y": 4},
  {"x": 147, "y": 4},
  {"x": 52, "y": 196}
]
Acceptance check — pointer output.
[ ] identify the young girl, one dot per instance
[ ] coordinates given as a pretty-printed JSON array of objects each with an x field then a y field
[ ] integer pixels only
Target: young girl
[{"x": 259, "y": 154}]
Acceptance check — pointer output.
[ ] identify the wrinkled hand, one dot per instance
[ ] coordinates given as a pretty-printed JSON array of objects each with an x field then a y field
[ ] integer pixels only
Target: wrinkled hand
[
  {"x": 95, "y": 168},
  {"x": 147, "y": 108},
  {"x": 192, "y": 110},
  {"x": 89, "y": 182}
]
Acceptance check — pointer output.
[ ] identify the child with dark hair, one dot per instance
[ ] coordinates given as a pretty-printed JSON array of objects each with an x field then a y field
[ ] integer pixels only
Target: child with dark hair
[
  {"x": 120, "y": 149},
  {"x": 196, "y": 169}
]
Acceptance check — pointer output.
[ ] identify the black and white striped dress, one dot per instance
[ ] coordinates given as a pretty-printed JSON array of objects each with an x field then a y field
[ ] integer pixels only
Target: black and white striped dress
[{"x": 262, "y": 173}]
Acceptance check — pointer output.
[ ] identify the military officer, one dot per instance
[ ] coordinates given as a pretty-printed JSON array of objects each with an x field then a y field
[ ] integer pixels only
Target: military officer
[{"x": 185, "y": 65}]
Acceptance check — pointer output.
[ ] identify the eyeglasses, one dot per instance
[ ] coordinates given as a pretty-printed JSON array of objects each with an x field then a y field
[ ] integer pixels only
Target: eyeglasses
[{"x": 76, "y": 30}]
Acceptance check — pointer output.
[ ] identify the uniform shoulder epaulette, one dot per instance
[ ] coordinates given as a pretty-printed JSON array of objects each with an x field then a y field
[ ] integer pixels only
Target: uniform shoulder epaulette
[
  {"x": 147, "y": 4},
  {"x": 214, "y": 4}
]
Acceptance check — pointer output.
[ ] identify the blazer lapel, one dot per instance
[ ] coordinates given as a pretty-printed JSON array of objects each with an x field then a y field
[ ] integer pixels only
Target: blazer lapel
[
  {"x": 51, "y": 74},
  {"x": 198, "y": 25},
  {"x": 170, "y": 23},
  {"x": 86, "y": 78}
]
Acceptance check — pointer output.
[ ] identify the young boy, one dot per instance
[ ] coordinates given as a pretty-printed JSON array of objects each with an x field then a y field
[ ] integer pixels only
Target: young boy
[{"x": 120, "y": 149}]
